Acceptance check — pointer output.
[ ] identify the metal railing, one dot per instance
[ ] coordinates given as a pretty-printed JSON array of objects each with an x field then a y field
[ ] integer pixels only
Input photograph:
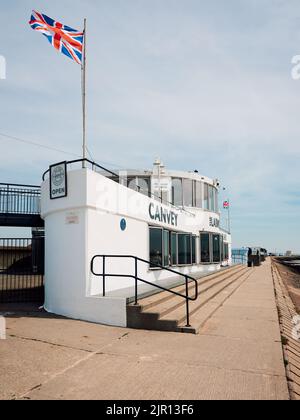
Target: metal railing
[
  {"x": 22, "y": 270},
  {"x": 118, "y": 179},
  {"x": 239, "y": 258},
  {"x": 84, "y": 162},
  {"x": 137, "y": 279},
  {"x": 20, "y": 199}
]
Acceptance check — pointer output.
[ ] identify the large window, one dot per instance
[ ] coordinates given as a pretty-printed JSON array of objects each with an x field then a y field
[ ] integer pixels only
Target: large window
[
  {"x": 226, "y": 251},
  {"x": 188, "y": 192},
  {"x": 177, "y": 194},
  {"x": 166, "y": 248},
  {"x": 194, "y": 255},
  {"x": 171, "y": 248},
  {"x": 197, "y": 194},
  {"x": 174, "y": 249},
  {"x": 216, "y": 248},
  {"x": 211, "y": 198},
  {"x": 156, "y": 246},
  {"x": 206, "y": 197},
  {"x": 184, "y": 249},
  {"x": 222, "y": 248},
  {"x": 141, "y": 185},
  {"x": 205, "y": 247}
]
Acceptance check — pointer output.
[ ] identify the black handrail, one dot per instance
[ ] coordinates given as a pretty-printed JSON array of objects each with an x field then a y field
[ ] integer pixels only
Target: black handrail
[
  {"x": 7, "y": 184},
  {"x": 94, "y": 165},
  {"x": 137, "y": 278}
]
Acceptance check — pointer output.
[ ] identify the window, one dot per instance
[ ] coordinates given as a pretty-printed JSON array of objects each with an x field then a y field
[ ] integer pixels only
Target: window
[
  {"x": 171, "y": 248},
  {"x": 156, "y": 246},
  {"x": 197, "y": 194},
  {"x": 141, "y": 185},
  {"x": 144, "y": 186},
  {"x": 174, "y": 249},
  {"x": 132, "y": 184},
  {"x": 194, "y": 257},
  {"x": 177, "y": 195},
  {"x": 164, "y": 197},
  {"x": 216, "y": 248},
  {"x": 205, "y": 247},
  {"x": 166, "y": 246},
  {"x": 206, "y": 197},
  {"x": 226, "y": 246},
  {"x": 184, "y": 249},
  {"x": 211, "y": 198},
  {"x": 188, "y": 193},
  {"x": 222, "y": 248}
]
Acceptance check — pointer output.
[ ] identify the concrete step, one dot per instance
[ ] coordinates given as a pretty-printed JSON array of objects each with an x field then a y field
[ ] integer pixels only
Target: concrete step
[
  {"x": 156, "y": 299},
  {"x": 175, "y": 303},
  {"x": 167, "y": 312},
  {"x": 205, "y": 312},
  {"x": 207, "y": 295}
]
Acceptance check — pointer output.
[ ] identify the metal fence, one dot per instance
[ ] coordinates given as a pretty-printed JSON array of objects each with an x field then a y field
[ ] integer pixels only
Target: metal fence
[
  {"x": 22, "y": 270},
  {"x": 20, "y": 199},
  {"x": 239, "y": 256}
]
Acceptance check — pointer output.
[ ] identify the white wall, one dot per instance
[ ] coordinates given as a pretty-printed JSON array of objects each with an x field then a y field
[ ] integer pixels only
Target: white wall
[{"x": 87, "y": 223}]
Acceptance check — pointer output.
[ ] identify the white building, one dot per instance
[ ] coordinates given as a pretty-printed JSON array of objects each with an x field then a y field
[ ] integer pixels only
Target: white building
[{"x": 170, "y": 219}]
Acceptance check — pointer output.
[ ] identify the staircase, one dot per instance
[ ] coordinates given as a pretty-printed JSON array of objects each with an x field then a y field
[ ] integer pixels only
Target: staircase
[{"x": 166, "y": 312}]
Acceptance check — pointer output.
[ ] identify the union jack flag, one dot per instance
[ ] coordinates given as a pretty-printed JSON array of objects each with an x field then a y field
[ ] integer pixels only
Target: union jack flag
[
  {"x": 65, "y": 39},
  {"x": 226, "y": 205}
]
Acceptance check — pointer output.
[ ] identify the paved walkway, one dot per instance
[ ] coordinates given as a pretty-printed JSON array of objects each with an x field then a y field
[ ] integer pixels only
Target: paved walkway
[{"x": 237, "y": 355}]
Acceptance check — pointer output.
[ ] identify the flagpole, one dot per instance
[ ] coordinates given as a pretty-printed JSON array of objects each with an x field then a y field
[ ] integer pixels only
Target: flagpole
[{"x": 83, "y": 82}]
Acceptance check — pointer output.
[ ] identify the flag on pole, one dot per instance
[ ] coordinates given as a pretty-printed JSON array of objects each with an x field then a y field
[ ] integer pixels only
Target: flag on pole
[
  {"x": 63, "y": 38},
  {"x": 226, "y": 205}
]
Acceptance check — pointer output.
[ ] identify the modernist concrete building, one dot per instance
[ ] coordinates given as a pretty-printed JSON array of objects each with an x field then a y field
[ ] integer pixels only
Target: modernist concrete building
[{"x": 168, "y": 219}]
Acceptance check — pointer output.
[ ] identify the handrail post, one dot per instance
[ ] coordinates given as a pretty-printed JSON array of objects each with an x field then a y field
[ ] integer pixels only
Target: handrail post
[
  {"x": 136, "y": 281},
  {"x": 7, "y": 199},
  {"x": 104, "y": 276},
  {"x": 187, "y": 303}
]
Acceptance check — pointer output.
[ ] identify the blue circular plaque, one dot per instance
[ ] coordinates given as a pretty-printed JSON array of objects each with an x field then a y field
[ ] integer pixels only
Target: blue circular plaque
[{"x": 123, "y": 225}]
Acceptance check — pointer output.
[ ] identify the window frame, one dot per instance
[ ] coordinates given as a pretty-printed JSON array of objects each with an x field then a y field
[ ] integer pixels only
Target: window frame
[
  {"x": 166, "y": 233},
  {"x": 209, "y": 248},
  {"x": 173, "y": 192},
  {"x": 213, "y": 248},
  {"x": 186, "y": 190},
  {"x": 151, "y": 228},
  {"x": 172, "y": 234}
]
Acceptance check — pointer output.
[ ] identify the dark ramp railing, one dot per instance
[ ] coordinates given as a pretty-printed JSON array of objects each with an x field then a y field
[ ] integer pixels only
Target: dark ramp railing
[
  {"x": 137, "y": 278},
  {"x": 22, "y": 270},
  {"x": 20, "y": 199}
]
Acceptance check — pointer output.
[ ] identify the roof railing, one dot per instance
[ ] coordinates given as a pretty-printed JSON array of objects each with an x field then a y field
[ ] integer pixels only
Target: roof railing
[{"x": 116, "y": 177}]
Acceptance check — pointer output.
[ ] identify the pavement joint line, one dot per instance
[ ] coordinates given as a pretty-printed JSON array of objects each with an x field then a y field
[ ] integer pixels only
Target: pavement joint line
[
  {"x": 60, "y": 373},
  {"x": 36, "y": 340},
  {"x": 135, "y": 358},
  {"x": 256, "y": 340}
]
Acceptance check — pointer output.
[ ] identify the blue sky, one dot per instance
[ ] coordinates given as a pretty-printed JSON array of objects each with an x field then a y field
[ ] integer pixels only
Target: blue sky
[{"x": 203, "y": 84}]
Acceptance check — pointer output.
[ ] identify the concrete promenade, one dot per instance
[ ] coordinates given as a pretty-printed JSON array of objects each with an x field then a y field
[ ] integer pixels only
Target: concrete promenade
[{"x": 237, "y": 355}]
